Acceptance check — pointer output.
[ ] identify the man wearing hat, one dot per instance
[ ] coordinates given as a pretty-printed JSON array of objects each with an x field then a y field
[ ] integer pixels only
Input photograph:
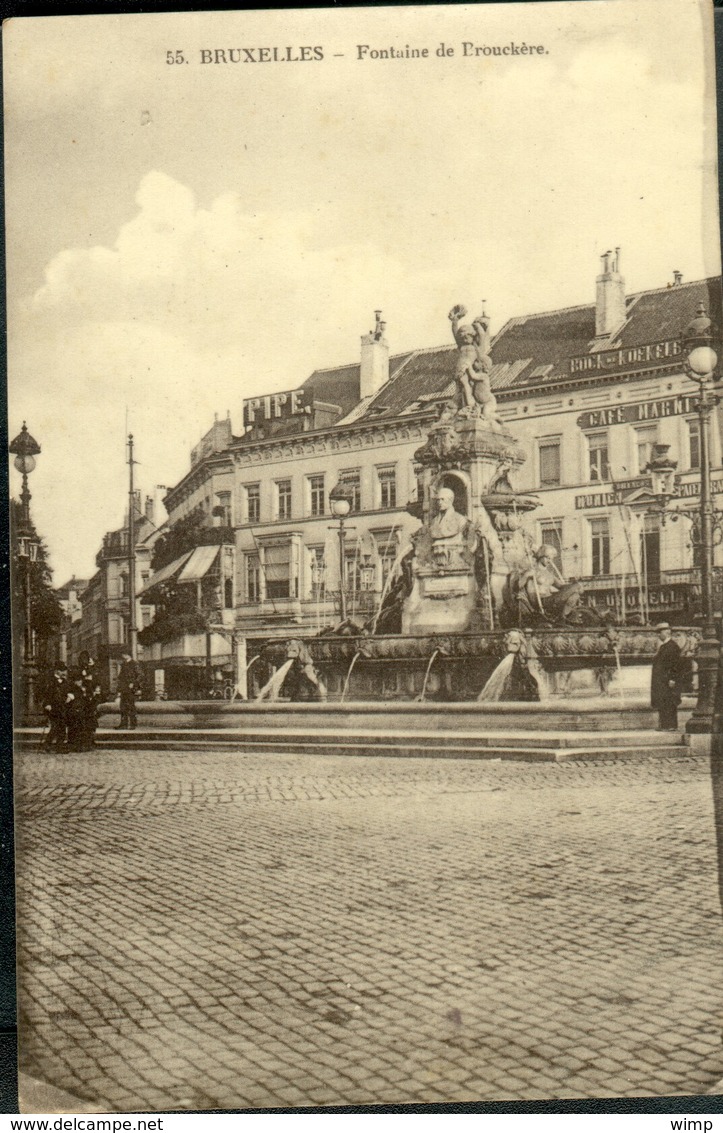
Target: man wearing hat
[
  {"x": 56, "y": 698},
  {"x": 666, "y": 679},
  {"x": 129, "y": 686}
]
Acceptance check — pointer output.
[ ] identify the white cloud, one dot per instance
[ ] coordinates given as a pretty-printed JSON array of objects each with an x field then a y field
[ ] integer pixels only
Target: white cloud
[{"x": 293, "y": 215}]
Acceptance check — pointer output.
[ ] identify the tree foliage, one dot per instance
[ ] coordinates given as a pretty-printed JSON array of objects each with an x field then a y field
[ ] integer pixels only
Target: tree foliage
[
  {"x": 176, "y": 614},
  {"x": 185, "y": 535},
  {"x": 45, "y": 610}
]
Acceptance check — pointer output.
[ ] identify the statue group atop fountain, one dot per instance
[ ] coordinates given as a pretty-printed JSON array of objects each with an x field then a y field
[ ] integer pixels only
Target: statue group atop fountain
[
  {"x": 472, "y": 566},
  {"x": 474, "y": 365}
]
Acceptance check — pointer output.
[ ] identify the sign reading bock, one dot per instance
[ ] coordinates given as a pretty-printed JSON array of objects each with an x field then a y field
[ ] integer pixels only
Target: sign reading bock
[
  {"x": 627, "y": 356},
  {"x": 275, "y": 406},
  {"x": 638, "y": 414}
]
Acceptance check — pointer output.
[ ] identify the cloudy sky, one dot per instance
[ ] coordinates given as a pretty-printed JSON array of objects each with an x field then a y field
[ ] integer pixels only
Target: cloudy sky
[{"x": 183, "y": 236}]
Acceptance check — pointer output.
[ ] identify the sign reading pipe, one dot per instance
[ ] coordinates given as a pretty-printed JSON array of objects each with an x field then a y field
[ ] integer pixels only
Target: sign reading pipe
[{"x": 275, "y": 406}]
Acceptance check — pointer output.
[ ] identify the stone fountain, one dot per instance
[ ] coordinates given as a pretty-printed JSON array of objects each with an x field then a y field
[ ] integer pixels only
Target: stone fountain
[
  {"x": 472, "y": 573},
  {"x": 472, "y": 589}
]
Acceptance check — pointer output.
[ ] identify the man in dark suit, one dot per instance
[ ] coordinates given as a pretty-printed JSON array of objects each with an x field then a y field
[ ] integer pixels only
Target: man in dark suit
[
  {"x": 92, "y": 698},
  {"x": 666, "y": 679},
  {"x": 56, "y": 697},
  {"x": 129, "y": 687}
]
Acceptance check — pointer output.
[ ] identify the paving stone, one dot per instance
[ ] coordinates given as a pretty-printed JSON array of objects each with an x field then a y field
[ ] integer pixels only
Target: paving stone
[{"x": 202, "y": 930}]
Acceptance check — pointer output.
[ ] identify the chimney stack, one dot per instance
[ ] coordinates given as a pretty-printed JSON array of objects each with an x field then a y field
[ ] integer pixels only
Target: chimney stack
[
  {"x": 149, "y": 508},
  {"x": 374, "y": 371},
  {"x": 677, "y": 278},
  {"x": 610, "y": 310}
]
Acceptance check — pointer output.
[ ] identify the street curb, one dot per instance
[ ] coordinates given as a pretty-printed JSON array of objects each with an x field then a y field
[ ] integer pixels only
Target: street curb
[{"x": 35, "y": 1096}]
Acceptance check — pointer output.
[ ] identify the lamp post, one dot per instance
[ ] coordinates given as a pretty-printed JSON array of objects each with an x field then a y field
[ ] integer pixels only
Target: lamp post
[
  {"x": 132, "y": 627},
  {"x": 700, "y": 365},
  {"x": 340, "y": 500},
  {"x": 662, "y": 474},
  {"x": 25, "y": 448}
]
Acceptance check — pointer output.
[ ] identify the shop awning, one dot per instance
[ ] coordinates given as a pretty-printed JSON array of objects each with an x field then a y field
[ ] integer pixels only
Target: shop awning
[
  {"x": 199, "y": 564},
  {"x": 170, "y": 570}
]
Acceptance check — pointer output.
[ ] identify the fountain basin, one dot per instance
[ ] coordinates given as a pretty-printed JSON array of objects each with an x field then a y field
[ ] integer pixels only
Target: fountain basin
[
  {"x": 586, "y": 715},
  {"x": 393, "y": 667}
]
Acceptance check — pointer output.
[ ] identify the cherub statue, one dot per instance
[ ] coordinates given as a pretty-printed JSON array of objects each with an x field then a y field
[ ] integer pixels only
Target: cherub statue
[{"x": 474, "y": 364}]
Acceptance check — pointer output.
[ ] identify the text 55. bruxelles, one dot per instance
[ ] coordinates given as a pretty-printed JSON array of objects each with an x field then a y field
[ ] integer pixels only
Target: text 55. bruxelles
[{"x": 261, "y": 54}]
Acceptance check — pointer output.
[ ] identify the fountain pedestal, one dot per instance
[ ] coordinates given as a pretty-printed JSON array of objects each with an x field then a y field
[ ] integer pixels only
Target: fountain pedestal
[
  {"x": 465, "y": 547},
  {"x": 441, "y": 601}
]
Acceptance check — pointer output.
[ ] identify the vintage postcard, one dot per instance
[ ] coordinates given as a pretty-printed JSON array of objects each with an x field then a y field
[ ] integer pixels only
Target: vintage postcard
[{"x": 367, "y": 468}]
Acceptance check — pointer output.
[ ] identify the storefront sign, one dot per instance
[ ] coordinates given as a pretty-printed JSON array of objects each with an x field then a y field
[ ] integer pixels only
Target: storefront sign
[
  {"x": 629, "y": 356},
  {"x": 273, "y": 407},
  {"x": 620, "y": 491},
  {"x": 677, "y": 596},
  {"x": 638, "y": 414}
]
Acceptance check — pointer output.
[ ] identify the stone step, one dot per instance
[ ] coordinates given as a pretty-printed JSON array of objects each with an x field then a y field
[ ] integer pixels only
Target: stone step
[
  {"x": 520, "y": 746},
  {"x": 592, "y": 714}
]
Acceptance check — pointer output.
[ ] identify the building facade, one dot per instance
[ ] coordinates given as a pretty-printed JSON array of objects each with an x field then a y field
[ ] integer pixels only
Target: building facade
[
  {"x": 103, "y": 627},
  {"x": 588, "y": 391}
]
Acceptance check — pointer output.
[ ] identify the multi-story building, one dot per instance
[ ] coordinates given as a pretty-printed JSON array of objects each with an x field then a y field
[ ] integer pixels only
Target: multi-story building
[
  {"x": 588, "y": 391},
  {"x": 69, "y": 598},
  {"x": 103, "y": 627}
]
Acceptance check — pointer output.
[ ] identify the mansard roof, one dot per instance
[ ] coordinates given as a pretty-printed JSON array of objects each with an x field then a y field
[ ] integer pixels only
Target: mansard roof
[
  {"x": 339, "y": 385},
  {"x": 534, "y": 351}
]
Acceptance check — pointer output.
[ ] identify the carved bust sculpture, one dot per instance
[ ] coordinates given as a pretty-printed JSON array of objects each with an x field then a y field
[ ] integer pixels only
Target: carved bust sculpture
[
  {"x": 448, "y": 531},
  {"x": 448, "y": 525}
]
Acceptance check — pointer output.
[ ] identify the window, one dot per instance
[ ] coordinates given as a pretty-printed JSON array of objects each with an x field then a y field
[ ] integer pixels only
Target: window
[
  {"x": 387, "y": 478},
  {"x": 223, "y": 508},
  {"x": 650, "y": 549},
  {"x": 549, "y": 455},
  {"x": 387, "y": 558},
  {"x": 283, "y": 499},
  {"x": 352, "y": 572},
  {"x": 277, "y": 571},
  {"x": 228, "y": 594},
  {"x": 645, "y": 439},
  {"x": 418, "y": 481},
  {"x": 123, "y": 585},
  {"x": 695, "y": 545},
  {"x": 146, "y": 616},
  {"x": 352, "y": 483},
  {"x": 317, "y": 495},
  {"x": 317, "y": 570},
  {"x": 598, "y": 456},
  {"x": 600, "y": 540},
  {"x": 253, "y": 578},
  {"x": 694, "y": 443},
  {"x": 551, "y": 536},
  {"x": 253, "y": 503}
]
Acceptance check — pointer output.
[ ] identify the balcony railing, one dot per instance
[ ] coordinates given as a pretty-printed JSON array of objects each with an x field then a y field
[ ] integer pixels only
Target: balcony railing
[{"x": 689, "y": 576}]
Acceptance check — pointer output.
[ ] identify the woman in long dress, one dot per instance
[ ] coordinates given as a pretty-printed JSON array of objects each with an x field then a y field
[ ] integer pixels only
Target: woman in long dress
[{"x": 512, "y": 679}]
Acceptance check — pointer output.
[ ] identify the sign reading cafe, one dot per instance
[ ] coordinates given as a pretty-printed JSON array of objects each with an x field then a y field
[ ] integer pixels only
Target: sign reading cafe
[
  {"x": 627, "y": 356},
  {"x": 637, "y": 414}
]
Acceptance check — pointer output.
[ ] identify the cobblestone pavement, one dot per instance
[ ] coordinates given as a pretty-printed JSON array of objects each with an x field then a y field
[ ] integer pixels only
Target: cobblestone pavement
[{"x": 232, "y": 931}]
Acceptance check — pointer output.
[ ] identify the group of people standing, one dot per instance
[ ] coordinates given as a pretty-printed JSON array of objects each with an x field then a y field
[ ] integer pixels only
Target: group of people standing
[{"x": 71, "y": 698}]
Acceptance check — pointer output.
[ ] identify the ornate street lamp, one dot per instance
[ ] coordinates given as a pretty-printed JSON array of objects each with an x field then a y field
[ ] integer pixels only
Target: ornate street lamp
[
  {"x": 340, "y": 499},
  {"x": 25, "y": 448},
  {"x": 700, "y": 365},
  {"x": 662, "y": 475}
]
